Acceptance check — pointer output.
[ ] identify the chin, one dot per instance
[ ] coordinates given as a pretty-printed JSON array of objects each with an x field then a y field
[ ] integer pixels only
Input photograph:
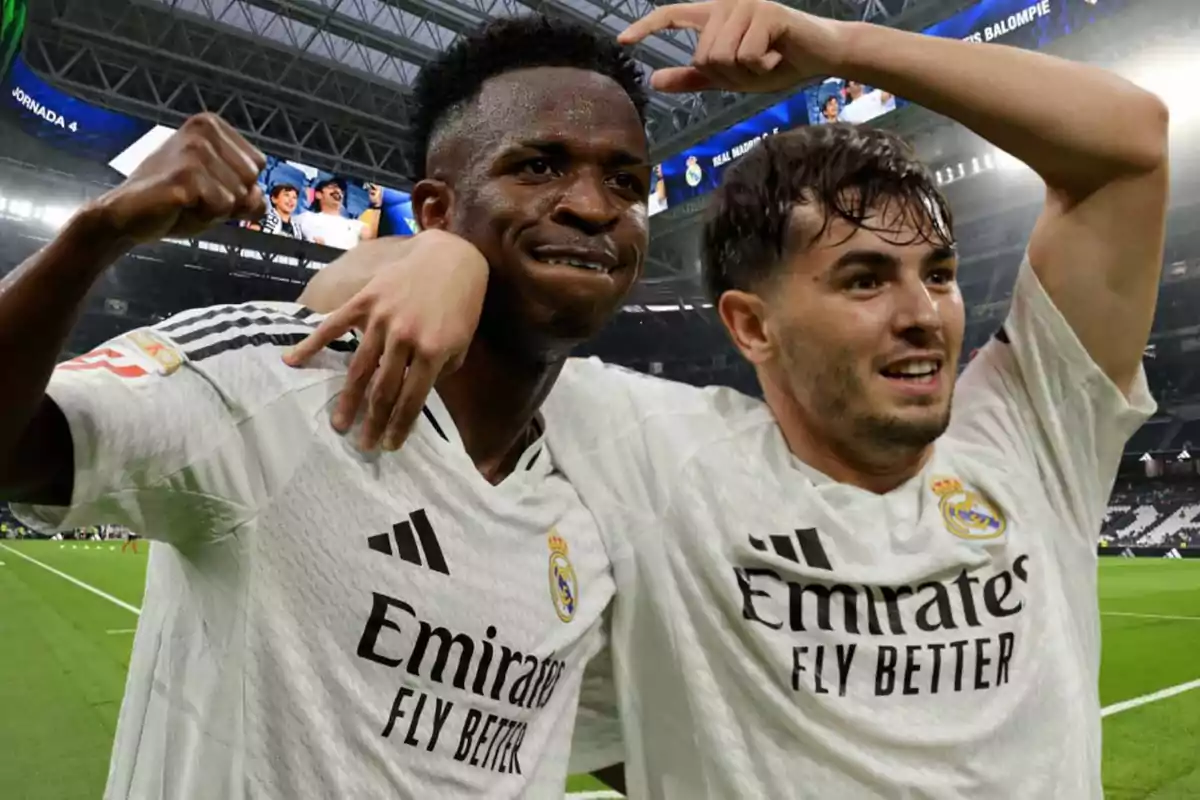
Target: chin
[
  {"x": 573, "y": 328},
  {"x": 908, "y": 429}
]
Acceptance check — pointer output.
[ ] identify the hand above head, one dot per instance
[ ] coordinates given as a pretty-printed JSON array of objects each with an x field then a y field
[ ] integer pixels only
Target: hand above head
[
  {"x": 416, "y": 302},
  {"x": 744, "y": 45},
  {"x": 205, "y": 173}
]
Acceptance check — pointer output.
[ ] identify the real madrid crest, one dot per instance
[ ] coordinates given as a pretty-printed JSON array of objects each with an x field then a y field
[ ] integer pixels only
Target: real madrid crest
[
  {"x": 967, "y": 514},
  {"x": 564, "y": 587}
]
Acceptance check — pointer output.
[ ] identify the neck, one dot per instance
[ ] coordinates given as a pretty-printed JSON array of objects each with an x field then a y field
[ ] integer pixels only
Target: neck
[
  {"x": 284, "y": 215},
  {"x": 493, "y": 399},
  {"x": 879, "y": 470}
]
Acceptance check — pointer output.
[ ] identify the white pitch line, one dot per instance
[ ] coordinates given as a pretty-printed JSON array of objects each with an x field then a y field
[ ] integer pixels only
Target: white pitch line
[
  {"x": 1145, "y": 616},
  {"x": 1115, "y": 708},
  {"x": 76, "y": 581},
  {"x": 1153, "y": 697},
  {"x": 122, "y": 630},
  {"x": 600, "y": 795}
]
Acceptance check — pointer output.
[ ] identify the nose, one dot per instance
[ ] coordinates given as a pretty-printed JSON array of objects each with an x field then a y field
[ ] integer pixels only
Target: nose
[
  {"x": 918, "y": 312},
  {"x": 585, "y": 203}
]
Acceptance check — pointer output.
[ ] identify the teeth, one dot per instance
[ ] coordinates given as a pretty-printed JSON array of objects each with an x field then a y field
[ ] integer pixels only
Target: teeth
[
  {"x": 916, "y": 368},
  {"x": 570, "y": 262}
]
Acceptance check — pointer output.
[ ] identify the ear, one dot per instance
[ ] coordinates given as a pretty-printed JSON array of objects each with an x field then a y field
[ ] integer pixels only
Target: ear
[
  {"x": 745, "y": 317},
  {"x": 432, "y": 202}
]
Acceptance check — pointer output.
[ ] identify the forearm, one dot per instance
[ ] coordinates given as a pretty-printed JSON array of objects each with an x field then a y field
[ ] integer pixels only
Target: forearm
[
  {"x": 1077, "y": 126},
  {"x": 338, "y": 282},
  {"x": 39, "y": 304}
]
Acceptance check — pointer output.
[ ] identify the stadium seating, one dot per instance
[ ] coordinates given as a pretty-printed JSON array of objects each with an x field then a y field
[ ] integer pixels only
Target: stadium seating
[{"x": 1154, "y": 515}]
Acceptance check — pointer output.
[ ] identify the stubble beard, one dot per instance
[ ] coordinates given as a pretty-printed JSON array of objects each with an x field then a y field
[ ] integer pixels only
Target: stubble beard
[{"x": 836, "y": 399}]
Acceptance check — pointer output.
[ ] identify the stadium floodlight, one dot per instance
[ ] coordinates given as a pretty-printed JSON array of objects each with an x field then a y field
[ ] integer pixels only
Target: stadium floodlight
[
  {"x": 1008, "y": 163},
  {"x": 1146, "y": 458},
  {"x": 1171, "y": 73},
  {"x": 1184, "y": 455},
  {"x": 56, "y": 216},
  {"x": 23, "y": 209}
]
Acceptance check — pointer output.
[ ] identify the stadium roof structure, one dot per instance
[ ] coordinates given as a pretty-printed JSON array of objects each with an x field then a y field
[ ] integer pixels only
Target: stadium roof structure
[{"x": 325, "y": 82}]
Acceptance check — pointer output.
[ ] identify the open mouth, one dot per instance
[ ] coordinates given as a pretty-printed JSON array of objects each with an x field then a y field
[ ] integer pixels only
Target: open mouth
[
  {"x": 917, "y": 372},
  {"x": 598, "y": 262}
]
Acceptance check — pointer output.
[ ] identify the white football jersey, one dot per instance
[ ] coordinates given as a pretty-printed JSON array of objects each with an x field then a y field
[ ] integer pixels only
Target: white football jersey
[
  {"x": 780, "y": 635},
  {"x": 319, "y": 622}
]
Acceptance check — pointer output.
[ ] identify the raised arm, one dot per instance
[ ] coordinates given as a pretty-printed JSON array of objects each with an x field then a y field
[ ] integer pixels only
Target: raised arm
[
  {"x": 205, "y": 173},
  {"x": 1097, "y": 248}
]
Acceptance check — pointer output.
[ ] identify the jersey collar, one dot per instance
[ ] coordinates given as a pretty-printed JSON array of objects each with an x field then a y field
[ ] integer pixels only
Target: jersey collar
[{"x": 437, "y": 422}]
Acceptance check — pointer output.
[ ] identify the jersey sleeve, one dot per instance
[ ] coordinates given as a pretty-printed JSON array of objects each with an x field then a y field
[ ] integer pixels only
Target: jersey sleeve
[
  {"x": 1035, "y": 394},
  {"x": 597, "y": 742},
  {"x": 179, "y": 431}
]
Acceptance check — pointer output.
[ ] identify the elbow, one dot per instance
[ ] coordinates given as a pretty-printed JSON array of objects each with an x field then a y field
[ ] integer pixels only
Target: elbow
[{"x": 1148, "y": 141}]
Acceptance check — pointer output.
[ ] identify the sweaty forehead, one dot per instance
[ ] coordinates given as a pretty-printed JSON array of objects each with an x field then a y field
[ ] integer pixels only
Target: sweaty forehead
[
  {"x": 558, "y": 103},
  {"x": 893, "y": 222}
]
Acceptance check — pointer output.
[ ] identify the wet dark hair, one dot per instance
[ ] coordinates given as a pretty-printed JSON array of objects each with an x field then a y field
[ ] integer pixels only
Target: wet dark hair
[
  {"x": 446, "y": 84},
  {"x": 849, "y": 172}
]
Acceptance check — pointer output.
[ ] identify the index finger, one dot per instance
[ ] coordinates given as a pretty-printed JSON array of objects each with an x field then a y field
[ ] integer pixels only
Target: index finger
[
  {"x": 246, "y": 159},
  {"x": 691, "y": 16},
  {"x": 333, "y": 327}
]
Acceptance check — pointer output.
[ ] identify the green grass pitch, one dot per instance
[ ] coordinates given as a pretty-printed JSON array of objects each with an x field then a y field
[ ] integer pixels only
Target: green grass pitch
[{"x": 65, "y": 652}]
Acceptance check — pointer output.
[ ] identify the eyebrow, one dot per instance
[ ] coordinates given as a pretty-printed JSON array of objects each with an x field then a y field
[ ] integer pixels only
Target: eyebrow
[
  {"x": 881, "y": 260},
  {"x": 613, "y": 158}
]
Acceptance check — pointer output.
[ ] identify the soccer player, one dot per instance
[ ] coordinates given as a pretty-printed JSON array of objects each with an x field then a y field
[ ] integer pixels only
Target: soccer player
[
  {"x": 881, "y": 581},
  {"x": 131, "y": 539},
  {"x": 328, "y": 621}
]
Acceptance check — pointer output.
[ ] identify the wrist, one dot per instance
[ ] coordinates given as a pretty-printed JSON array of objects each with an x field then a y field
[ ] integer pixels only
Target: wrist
[
  {"x": 846, "y": 51},
  {"x": 453, "y": 243},
  {"x": 93, "y": 232}
]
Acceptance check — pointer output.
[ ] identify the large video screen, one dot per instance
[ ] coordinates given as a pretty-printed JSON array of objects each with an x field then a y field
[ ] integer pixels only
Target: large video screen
[
  {"x": 698, "y": 169},
  {"x": 1030, "y": 24},
  {"x": 306, "y": 203},
  {"x": 303, "y": 202}
]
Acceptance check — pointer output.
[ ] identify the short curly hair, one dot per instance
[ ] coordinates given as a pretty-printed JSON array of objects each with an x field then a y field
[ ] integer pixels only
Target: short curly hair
[
  {"x": 455, "y": 77},
  {"x": 849, "y": 172}
]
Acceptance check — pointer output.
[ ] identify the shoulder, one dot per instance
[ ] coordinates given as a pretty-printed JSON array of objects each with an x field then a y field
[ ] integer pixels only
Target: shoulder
[
  {"x": 595, "y": 381},
  {"x": 204, "y": 333},
  {"x": 239, "y": 349},
  {"x": 595, "y": 403}
]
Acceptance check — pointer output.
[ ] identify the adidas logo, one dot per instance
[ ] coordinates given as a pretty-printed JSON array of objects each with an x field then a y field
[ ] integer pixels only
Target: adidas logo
[
  {"x": 811, "y": 549},
  {"x": 407, "y": 544}
]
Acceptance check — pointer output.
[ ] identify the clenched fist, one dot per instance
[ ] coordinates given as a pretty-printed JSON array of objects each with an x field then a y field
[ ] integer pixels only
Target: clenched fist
[{"x": 204, "y": 174}]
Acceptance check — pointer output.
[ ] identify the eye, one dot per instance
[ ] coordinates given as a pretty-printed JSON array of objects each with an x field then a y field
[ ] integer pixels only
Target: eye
[
  {"x": 863, "y": 283},
  {"x": 627, "y": 182},
  {"x": 942, "y": 276},
  {"x": 539, "y": 168}
]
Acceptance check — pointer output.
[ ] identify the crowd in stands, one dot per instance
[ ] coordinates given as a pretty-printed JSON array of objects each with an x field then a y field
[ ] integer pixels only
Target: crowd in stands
[
  {"x": 13, "y": 528},
  {"x": 1153, "y": 514}
]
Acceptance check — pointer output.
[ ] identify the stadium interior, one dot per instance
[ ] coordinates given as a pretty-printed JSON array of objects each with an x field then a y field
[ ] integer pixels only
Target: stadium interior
[{"x": 322, "y": 84}]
